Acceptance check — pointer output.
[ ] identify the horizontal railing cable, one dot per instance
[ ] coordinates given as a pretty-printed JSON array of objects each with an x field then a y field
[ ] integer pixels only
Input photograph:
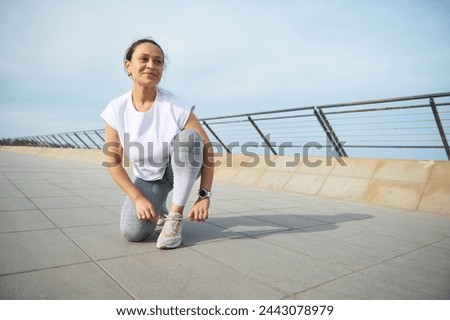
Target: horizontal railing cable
[{"x": 357, "y": 129}]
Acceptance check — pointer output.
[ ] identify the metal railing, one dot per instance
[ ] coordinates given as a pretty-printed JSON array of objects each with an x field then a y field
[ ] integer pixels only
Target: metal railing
[
  {"x": 89, "y": 139},
  {"x": 406, "y": 127}
]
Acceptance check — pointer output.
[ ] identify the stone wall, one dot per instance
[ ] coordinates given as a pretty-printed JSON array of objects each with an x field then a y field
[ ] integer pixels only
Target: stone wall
[{"x": 406, "y": 184}]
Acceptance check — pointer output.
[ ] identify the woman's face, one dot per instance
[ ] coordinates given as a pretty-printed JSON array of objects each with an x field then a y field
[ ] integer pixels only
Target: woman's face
[{"x": 146, "y": 65}]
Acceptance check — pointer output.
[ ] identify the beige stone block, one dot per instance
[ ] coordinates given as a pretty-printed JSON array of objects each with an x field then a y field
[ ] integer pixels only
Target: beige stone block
[
  {"x": 440, "y": 173},
  {"x": 304, "y": 183},
  {"x": 230, "y": 161},
  {"x": 51, "y": 153},
  {"x": 226, "y": 174},
  {"x": 219, "y": 161},
  {"x": 284, "y": 163},
  {"x": 345, "y": 188},
  {"x": 316, "y": 165},
  {"x": 27, "y": 150},
  {"x": 7, "y": 148},
  {"x": 97, "y": 157},
  {"x": 403, "y": 170},
  {"x": 247, "y": 176},
  {"x": 356, "y": 168},
  {"x": 436, "y": 198},
  {"x": 62, "y": 154},
  {"x": 258, "y": 162},
  {"x": 272, "y": 179},
  {"x": 395, "y": 194},
  {"x": 74, "y": 154},
  {"x": 90, "y": 156}
]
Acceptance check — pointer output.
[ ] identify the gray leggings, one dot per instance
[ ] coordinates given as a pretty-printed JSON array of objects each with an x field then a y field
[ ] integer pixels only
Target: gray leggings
[{"x": 186, "y": 154}]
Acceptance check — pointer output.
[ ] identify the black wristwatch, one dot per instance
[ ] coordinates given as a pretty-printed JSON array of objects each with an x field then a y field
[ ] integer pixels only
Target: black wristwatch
[{"x": 203, "y": 193}]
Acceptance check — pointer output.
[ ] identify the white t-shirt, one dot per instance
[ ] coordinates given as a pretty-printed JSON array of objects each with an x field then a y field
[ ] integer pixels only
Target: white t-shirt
[{"x": 146, "y": 136}]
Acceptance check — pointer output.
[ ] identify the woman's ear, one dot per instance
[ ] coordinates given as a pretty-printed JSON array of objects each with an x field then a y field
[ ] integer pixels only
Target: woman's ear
[{"x": 127, "y": 66}]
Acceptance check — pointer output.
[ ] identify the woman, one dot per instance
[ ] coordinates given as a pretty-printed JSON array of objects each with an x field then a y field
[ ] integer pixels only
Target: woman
[{"x": 159, "y": 132}]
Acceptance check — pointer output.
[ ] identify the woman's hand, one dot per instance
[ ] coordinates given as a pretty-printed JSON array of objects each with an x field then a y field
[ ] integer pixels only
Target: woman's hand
[
  {"x": 199, "y": 211},
  {"x": 145, "y": 209}
]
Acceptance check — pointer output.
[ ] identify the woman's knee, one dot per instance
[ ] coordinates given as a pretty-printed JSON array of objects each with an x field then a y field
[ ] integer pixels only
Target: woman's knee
[{"x": 134, "y": 234}]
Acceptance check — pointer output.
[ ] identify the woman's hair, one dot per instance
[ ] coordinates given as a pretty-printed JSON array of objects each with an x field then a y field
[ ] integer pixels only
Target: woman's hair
[{"x": 132, "y": 48}]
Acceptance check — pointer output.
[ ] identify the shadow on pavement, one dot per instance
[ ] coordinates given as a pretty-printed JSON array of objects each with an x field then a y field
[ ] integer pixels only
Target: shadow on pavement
[{"x": 238, "y": 226}]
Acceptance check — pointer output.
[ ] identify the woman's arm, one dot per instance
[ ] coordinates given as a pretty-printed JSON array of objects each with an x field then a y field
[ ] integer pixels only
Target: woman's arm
[
  {"x": 113, "y": 151},
  {"x": 199, "y": 211}
]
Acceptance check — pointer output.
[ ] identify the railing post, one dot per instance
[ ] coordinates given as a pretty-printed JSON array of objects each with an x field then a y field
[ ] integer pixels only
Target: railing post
[
  {"x": 67, "y": 144},
  {"x": 33, "y": 140},
  {"x": 331, "y": 135},
  {"x": 216, "y": 136},
  {"x": 43, "y": 141},
  {"x": 87, "y": 146},
  {"x": 75, "y": 143},
  {"x": 262, "y": 135},
  {"x": 59, "y": 142},
  {"x": 99, "y": 136},
  {"x": 50, "y": 142},
  {"x": 91, "y": 140},
  {"x": 440, "y": 128}
]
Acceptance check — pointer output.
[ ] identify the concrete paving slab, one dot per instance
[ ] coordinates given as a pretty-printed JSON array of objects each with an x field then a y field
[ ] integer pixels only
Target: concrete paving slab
[
  {"x": 113, "y": 209},
  {"x": 432, "y": 255},
  {"x": 245, "y": 225},
  {"x": 77, "y": 217},
  {"x": 46, "y": 192},
  {"x": 421, "y": 236},
  {"x": 98, "y": 191},
  {"x": 414, "y": 275},
  {"x": 281, "y": 201},
  {"x": 280, "y": 268},
  {"x": 237, "y": 205},
  {"x": 61, "y": 202},
  {"x": 445, "y": 244},
  {"x": 385, "y": 243},
  {"x": 112, "y": 199},
  {"x": 290, "y": 221},
  {"x": 32, "y": 250},
  {"x": 59, "y": 229},
  {"x": 331, "y": 251},
  {"x": 197, "y": 233},
  {"x": 106, "y": 241},
  {"x": 17, "y": 203},
  {"x": 84, "y": 281},
  {"x": 8, "y": 190},
  {"x": 13, "y": 221},
  {"x": 184, "y": 275},
  {"x": 362, "y": 287}
]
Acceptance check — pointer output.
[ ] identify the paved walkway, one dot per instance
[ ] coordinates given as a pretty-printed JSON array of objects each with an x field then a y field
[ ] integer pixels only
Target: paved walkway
[{"x": 59, "y": 239}]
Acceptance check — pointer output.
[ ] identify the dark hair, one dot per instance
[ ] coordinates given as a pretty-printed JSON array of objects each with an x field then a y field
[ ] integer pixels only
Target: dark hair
[{"x": 132, "y": 48}]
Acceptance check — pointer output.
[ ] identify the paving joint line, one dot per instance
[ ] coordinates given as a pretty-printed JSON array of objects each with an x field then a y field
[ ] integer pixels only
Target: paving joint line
[
  {"x": 365, "y": 268},
  {"x": 78, "y": 246}
]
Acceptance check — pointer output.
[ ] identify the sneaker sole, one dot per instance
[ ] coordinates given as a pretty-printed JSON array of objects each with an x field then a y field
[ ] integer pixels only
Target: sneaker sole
[{"x": 173, "y": 246}]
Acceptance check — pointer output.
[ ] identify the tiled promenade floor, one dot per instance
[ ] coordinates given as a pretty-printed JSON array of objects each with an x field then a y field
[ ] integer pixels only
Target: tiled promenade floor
[{"x": 59, "y": 239}]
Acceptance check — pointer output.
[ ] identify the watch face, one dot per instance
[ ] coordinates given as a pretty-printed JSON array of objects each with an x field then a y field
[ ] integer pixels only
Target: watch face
[{"x": 202, "y": 193}]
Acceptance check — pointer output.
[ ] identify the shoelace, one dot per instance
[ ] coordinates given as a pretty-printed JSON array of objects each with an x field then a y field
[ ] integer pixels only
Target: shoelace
[
  {"x": 173, "y": 225},
  {"x": 161, "y": 220}
]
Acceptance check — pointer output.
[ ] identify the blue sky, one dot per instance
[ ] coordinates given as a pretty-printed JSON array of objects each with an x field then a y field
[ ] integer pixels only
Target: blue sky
[{"x": 61, "y": 61}]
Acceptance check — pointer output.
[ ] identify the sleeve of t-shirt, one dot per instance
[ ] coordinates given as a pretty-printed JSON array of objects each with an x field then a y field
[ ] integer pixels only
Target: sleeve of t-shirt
[
  {"x": 109, "y": 116},
  {"x": 185, "y": 115},
  {"x": 184, "y": 108}
]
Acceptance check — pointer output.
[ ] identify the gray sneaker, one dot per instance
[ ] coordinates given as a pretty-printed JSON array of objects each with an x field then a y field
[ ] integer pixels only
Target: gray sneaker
[{"x": 170, "y": 236}]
